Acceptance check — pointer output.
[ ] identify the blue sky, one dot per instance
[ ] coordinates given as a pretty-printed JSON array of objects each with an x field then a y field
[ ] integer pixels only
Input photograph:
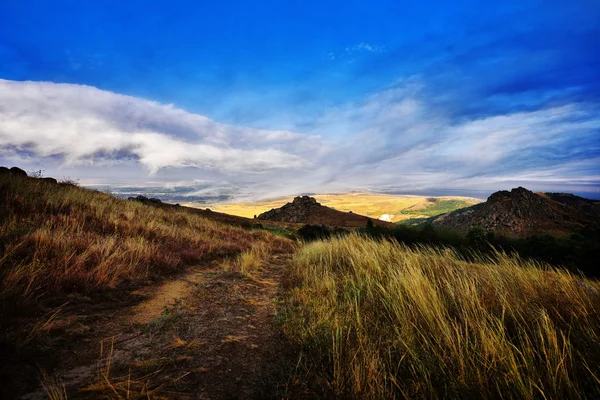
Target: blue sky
[{"x": 281, "y": 97}]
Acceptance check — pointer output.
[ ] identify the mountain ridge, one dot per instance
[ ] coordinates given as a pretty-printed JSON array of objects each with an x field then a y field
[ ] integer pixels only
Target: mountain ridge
[{"x": 521, "y": 212}]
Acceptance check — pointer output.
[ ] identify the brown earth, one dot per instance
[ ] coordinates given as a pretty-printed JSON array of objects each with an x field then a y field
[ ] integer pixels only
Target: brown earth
[{"x": 206, "y": 334}]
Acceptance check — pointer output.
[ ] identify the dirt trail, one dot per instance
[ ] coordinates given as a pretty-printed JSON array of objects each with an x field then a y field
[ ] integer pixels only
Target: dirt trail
[{"x": 208, "y": 334}]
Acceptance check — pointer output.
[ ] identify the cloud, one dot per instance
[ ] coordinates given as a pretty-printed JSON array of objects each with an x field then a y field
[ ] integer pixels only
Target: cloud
[
  {"x": 397, "y": 139},
  {"x": 84, "y": 125},
  {"x": 401, "y": 142},
  {"x": 366, "y": 47}
]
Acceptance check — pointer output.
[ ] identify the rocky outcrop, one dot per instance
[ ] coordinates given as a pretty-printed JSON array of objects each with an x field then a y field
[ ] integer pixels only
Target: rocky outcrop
[
  {"x": 144, "y": 199},
  {"x": 49, "y": 180},
  {"x": 15, "y": 171},
  {"x": 519, "y": 212},
  {"x": 306, "y": 210},
  {"x": 298, "y": 211},
  {"x": 18, "y": 172}
]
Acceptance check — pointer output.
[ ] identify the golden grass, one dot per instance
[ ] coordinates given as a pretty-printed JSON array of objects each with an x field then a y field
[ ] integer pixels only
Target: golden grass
[
  {"x": 369, "y": 204},
  {"x": 60, "y": 238},
  {"x": 380, "y": 320},
  {"x": 54, "y": 387}
]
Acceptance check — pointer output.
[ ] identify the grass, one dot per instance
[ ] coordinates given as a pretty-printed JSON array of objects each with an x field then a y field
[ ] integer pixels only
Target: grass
[
  {"x": 441, "y": 206},
  {"x": 61, "y": 239},
  {"x": 379, "y": 320}
]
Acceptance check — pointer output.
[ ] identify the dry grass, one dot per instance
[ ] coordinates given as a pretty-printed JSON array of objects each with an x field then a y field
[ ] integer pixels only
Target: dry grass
[
  {"x": 53, "y": 387},
  {"x": 56, "y": 239},
  {"x": 380, "y": 320}
]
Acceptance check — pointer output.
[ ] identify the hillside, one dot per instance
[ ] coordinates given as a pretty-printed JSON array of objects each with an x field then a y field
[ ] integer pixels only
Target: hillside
[
  {"x": 523, "y": 213},
  {"x": 306, "y": 210},
  {"x": 394, "y": 208},
  {"x": 109, "y": 298}
]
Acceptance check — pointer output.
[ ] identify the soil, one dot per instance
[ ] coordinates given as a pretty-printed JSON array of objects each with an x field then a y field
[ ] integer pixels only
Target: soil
[{"x": 208, "y": 333}]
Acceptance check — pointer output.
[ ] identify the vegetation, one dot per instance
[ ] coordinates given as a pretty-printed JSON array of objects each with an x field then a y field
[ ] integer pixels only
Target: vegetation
[
  {"x": 57, "y": 239},
  {"x": 579, "y": 252},
  {"x": 437, "y": 207},
  {"x": 378, "y": 319}
]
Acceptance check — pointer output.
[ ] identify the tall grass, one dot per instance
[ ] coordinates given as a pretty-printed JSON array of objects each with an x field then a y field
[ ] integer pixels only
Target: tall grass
[
  {"x": 379, "y": 320},
  {"x": 56, "y": 239}
]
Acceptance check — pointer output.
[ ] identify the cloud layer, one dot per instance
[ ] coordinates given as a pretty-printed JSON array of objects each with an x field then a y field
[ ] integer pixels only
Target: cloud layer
[
  {"x": 394, "y": 140},
  {"x": 84, "y": 125}
]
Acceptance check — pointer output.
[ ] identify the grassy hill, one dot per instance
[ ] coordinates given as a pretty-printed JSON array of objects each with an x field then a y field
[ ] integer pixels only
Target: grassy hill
[
  {"x": 398, "y": 207},
  {"x": 57, "y": 239}
]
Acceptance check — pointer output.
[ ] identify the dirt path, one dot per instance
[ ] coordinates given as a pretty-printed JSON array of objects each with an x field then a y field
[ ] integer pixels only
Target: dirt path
[{"x": 208, "y": 334}]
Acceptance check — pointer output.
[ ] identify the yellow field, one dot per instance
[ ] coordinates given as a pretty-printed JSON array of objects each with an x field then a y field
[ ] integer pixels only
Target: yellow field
[{"x": 397, "y": 207}]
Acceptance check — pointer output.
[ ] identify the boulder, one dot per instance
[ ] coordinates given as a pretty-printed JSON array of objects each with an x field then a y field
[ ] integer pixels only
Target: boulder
[
  {"x": 49, "y": 180},
  {"x": 18, "y": 172}
]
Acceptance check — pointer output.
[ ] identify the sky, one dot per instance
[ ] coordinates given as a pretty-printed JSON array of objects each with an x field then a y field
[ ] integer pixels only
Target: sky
[{"x": 236, "y": 99}]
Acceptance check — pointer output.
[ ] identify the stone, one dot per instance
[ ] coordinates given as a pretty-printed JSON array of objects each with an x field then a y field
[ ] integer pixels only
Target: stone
[
  {"x": 297, "y": 211},
  {"x": 49, "y": 180},
  {"x": 18, "y": 172}
]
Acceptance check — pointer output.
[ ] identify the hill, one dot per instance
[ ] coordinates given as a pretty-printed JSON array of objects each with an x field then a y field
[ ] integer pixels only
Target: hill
[
  {"x": 102, "y": 297},
  {"x": 306, "y": 210},
  {"x": 523, "y": 213},
  {"x": 389, "y": 207}
]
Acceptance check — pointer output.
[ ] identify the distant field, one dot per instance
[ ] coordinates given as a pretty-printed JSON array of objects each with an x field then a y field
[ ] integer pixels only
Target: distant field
[{"x": 397, "y": 207}]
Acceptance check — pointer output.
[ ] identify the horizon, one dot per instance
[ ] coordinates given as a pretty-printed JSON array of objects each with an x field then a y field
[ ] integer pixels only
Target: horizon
[{"x": 241, "y": 100}]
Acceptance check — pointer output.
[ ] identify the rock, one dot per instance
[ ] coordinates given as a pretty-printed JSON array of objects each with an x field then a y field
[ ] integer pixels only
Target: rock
[
  {"x": 49, "y": 180},
  {"x": 522, "y": 213},
  {"x": 139, "y": 198},
  {"x": 145, "y": 199},
  {"x": 18, "y": 172},
  {"x": 297, "y": 211},
  {"x": 4, "y": 171}
]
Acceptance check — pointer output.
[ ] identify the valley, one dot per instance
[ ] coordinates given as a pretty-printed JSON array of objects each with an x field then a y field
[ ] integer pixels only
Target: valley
[{"x": 388, "y": 207}]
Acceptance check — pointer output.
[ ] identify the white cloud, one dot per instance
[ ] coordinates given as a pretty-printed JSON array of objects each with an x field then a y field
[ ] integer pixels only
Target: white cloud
[
  {"x": 392, "y": 140},
  {"x": 85, "y": 125}
]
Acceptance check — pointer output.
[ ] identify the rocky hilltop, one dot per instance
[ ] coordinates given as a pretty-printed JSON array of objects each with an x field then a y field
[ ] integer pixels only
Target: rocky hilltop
[
  {"x": 306, "y": 210},
  {"x": 298, "y": 210},
  {"x": 522, "y": 213}
]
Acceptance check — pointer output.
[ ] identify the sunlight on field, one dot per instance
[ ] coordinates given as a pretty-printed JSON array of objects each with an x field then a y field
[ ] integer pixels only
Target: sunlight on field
[{"x": 397, "y": 207}]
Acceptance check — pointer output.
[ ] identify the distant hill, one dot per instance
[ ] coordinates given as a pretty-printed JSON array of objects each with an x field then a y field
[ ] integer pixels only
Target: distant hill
[
  {"x": 387, "y": 207},
  {"x": 306, "y": 210},
  {"x": 523, "y": 213}
]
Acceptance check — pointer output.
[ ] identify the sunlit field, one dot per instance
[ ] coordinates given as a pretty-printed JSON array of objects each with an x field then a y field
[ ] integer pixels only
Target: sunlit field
[
  {"x": 397, "y": 207},
  {"x": 379, "y": 320}
]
